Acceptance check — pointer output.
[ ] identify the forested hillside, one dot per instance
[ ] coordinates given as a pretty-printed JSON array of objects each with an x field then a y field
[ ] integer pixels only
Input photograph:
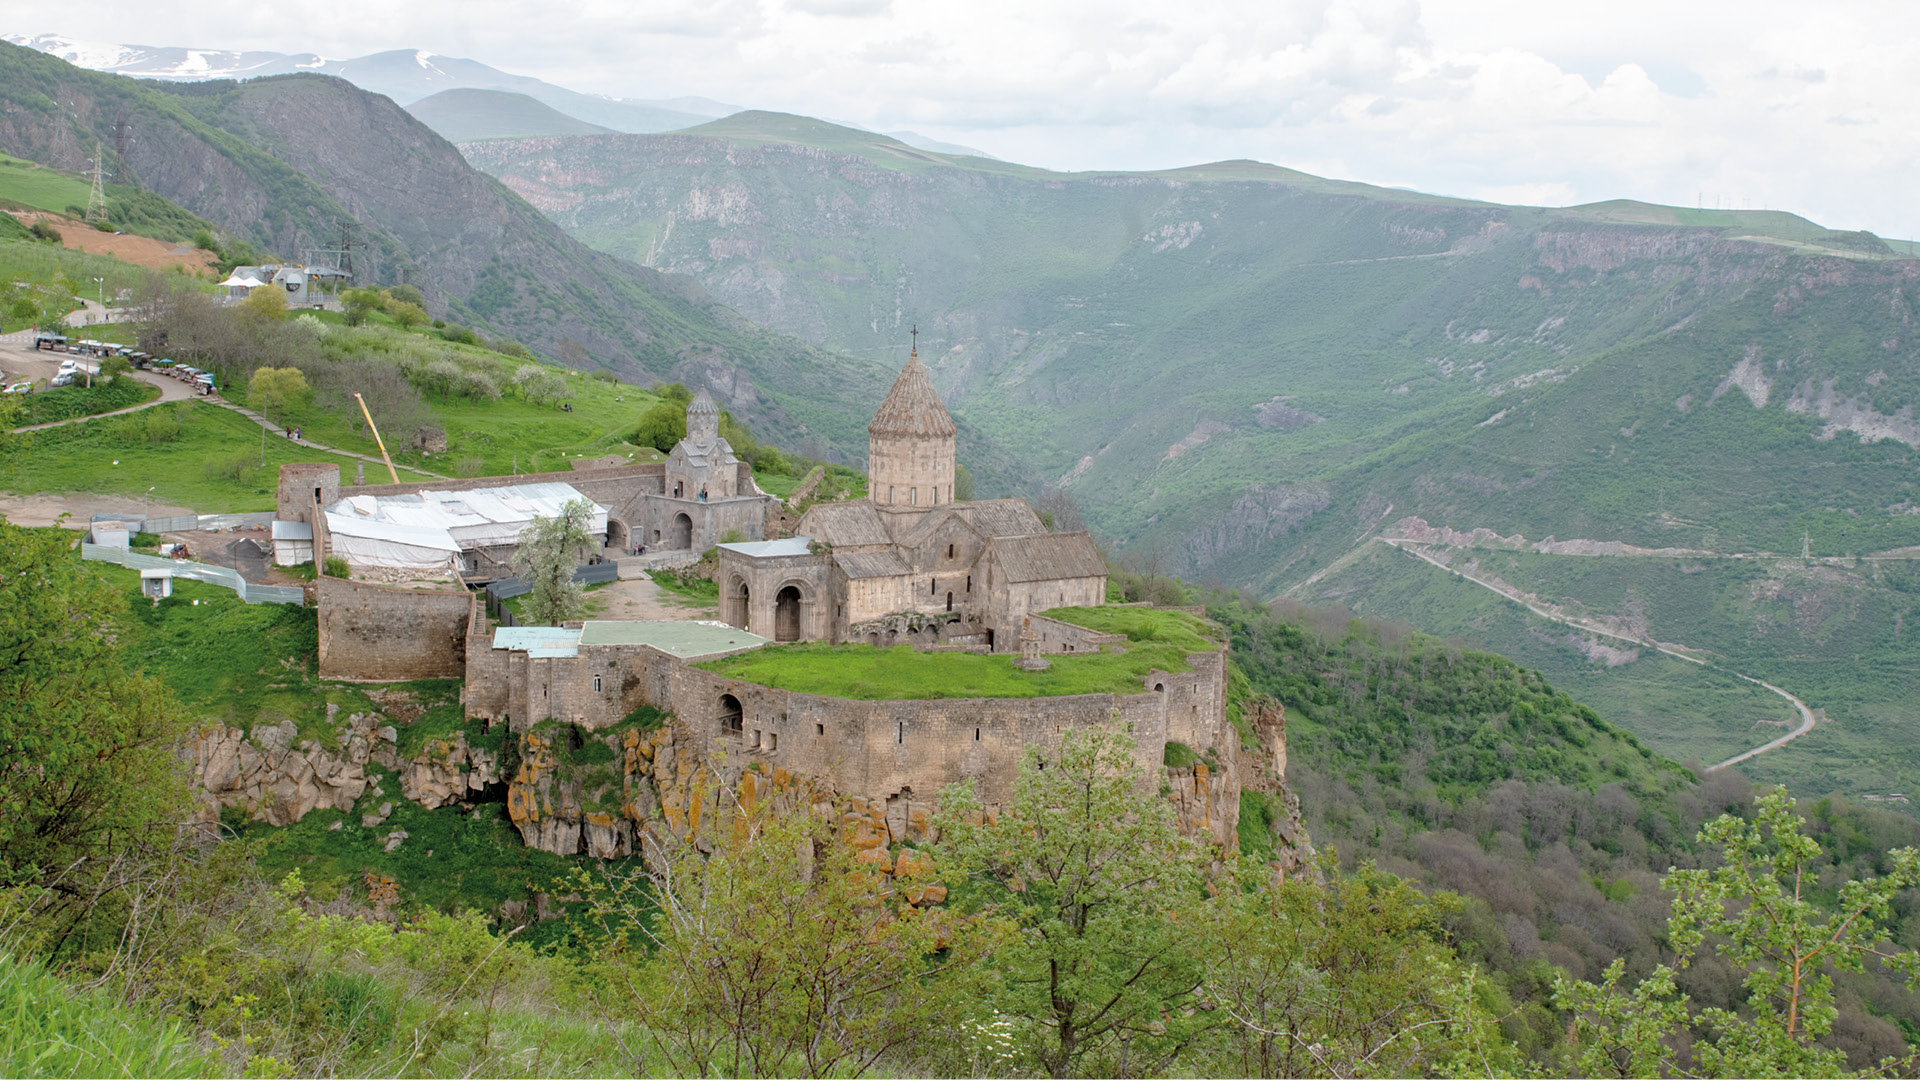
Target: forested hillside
[{"x": 284, "y": 162}]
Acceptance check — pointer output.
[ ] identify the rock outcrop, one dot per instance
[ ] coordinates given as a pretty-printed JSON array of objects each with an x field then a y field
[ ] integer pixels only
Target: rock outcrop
[{"x": 279, "y": 778}]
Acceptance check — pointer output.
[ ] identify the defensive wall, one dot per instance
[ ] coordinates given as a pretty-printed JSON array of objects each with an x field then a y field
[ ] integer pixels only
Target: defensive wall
[
  {"x": 873, "y": 749},
  {"x": 378, "y": 633}
]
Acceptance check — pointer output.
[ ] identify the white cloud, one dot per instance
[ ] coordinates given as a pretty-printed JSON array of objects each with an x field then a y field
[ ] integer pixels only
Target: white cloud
[{"x": 1776, "y": 103}]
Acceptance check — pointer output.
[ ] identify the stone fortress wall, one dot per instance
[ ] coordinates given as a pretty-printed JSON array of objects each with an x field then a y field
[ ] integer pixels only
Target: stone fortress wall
[
  {"x": 376, "y": 633},
  {"x": 885, "y": 752}
]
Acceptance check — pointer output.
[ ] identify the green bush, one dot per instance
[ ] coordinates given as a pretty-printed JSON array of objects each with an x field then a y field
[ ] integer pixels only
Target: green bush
[
  {"x": 160, "y": 426},
  {"x": 337, "y": 567},
  {"x": 235, "y": 469},
  {"x": 1178, "y": 755}
]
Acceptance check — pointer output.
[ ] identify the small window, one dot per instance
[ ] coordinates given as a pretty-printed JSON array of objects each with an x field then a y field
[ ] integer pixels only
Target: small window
[
  {"x": 949, "y": 551},
  {"x": 773, "y": 740},
  {"x": 819, "y": 729},
  {"x": 933, "y": 586},
  {"x": 900, "y": 733},
  {"x": 596, "y": 684},
  {"x": 969, "y": 582},
  {"x": 913, "y": 496},
  {"x": 976, "y": 734}
]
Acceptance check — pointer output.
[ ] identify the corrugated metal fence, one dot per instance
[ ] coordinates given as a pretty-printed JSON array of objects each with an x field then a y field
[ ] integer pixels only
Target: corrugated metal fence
[
  {"x": 190, "y": 522},
  {"x": 507, "y": 588},
  {"x": 213, "y": 575}
]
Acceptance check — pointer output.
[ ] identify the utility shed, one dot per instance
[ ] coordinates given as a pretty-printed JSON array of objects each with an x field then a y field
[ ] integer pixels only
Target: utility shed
[{"x": 292, "y": 543}]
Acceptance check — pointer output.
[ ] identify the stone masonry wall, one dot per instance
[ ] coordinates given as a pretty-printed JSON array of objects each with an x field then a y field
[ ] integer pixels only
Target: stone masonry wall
[{"x": 381, "y": 634}]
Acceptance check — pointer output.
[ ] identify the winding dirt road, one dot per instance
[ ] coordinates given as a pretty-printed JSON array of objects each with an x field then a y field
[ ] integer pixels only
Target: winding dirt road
[{"x": 1807, "y": 717}]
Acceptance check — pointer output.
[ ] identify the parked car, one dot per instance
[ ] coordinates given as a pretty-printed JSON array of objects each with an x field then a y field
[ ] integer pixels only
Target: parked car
[
  {"x": 65, "y": 378},
  {"x": 19, "y": 388}
]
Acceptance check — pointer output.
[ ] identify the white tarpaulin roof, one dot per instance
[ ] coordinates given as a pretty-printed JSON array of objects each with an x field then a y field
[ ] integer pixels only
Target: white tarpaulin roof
[
  {"x": 236, "y": 281},
  {"x": 377, "y": 543},
  {"x": 455, "y": 520}
]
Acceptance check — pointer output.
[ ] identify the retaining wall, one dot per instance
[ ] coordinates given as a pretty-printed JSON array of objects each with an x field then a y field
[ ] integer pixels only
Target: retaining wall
[{"x": 377, "y": 633}]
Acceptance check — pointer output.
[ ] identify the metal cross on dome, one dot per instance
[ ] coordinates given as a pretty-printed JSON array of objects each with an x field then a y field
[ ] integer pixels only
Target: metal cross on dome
[{"x": 916, "y": 337}]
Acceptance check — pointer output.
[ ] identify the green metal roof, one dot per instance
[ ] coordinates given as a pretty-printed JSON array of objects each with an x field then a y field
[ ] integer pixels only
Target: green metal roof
[{"x": 682, "y": 638}]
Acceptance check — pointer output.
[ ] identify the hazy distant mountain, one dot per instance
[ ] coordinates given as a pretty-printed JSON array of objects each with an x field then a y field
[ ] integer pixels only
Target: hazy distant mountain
[
  {"x": 409, "y": 76},
  {"x": 464, "y": 115},
  {"x": 283, "y": 161},
  {"x": 405, "y": 75}
]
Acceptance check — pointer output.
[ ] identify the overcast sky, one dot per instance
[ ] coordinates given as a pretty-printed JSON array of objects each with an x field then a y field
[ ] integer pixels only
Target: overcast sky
[{"x": 1810, "y": 107}]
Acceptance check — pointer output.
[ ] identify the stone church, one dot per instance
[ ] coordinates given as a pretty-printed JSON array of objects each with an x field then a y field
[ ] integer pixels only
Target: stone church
[{"x": 909, "y": 565}]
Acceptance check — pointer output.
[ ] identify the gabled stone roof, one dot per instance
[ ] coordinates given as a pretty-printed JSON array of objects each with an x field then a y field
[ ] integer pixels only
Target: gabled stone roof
[
  {"x": 871, "y": 564},
  {"x": 845, "y": 525},
  {"x": 912, "y": 406},
  {"x": 702, "y": 404},
  {"x": 1001, "y": 517},
  {"x": 1048, "y": 556}
]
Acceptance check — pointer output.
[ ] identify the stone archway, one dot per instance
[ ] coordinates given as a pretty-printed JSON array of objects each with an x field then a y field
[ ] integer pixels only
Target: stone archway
[
  {"x": 681, "y": 536},
  {"x": 786, "y": 613},
  {"x": 732, "y": 716},
  {"x": 619, "y": 537},
  {"x": 738, "y": 596}
]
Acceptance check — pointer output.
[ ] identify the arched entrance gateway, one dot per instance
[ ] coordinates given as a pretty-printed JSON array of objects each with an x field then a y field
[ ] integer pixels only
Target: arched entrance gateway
[
  {"x": 737, "y": 597},
  {"x": 681, "y": 536},
  {"x": 786, "y": 614},
  {"x": 618, "y": 537}
]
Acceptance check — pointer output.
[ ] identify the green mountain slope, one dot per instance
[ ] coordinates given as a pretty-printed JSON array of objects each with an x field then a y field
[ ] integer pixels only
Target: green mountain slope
[
  {"x": 462, "y": 114},
  {"x": 284, "y": 161},
  {"x": 1241, "y": 372}
]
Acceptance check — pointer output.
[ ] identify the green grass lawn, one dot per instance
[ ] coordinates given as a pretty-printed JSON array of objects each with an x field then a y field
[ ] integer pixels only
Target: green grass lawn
[
  {"x": 212, "y": 464},
  {"x": 864, "y": 673}
]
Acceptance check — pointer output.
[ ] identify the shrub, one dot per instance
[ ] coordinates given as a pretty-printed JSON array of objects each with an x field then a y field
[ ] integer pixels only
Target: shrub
[
  {"x": 469, "y": 466},
  {"x": 43, "y": 231},
  {"x": 235, "y": 469},
  {"x": 161, "y": 426},
  {"x": 456, "y": 332},
  {"x": 337, "y": 567}
]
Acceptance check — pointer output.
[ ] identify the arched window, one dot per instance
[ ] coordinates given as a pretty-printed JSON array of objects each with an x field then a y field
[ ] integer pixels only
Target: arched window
[
  {"x": 732, "y": 717},
  {"x": 949, "y": 551},
  {"x": 913, "y": 496},
  {"x": 949, "y": 608}
]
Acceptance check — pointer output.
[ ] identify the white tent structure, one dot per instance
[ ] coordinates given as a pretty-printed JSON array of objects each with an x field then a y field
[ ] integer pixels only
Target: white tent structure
[
  {"x": 429, "y": 530},
  {"x": 240, "y": 283}
]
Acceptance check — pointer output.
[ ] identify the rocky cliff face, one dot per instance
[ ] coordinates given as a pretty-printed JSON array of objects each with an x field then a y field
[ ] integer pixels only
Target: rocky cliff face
[{"x": 279, "y": 778}]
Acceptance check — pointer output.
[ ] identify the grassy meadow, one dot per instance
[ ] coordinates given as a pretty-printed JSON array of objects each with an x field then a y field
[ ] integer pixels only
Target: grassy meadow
[{"x": 1158, "y": 641}]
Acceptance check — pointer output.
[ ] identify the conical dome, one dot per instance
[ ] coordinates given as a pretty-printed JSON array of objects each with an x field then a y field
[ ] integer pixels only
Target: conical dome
[
  {"x": 703, "y": 420},
  {"x": 912, "y": 407}
]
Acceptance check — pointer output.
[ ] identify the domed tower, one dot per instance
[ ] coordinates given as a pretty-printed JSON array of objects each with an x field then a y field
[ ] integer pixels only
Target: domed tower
[
  {"x": 703, "y": 420},
  {"x": 910, "y": 443}
]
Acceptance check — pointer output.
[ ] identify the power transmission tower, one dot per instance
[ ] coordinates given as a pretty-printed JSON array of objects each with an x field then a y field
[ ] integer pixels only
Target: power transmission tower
[{"x": 97, "y": 198}]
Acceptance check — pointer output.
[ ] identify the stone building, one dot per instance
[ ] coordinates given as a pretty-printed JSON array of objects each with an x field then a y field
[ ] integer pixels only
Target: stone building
[
  {"x": 909, "y": 564},
  {"x": 699, "y": 495}
]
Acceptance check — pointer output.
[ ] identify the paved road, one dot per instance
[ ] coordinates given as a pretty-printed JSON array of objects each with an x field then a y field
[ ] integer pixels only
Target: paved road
[
  {"x": 170, "y": 390},
  {"x": 1807, "y": 719}
]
